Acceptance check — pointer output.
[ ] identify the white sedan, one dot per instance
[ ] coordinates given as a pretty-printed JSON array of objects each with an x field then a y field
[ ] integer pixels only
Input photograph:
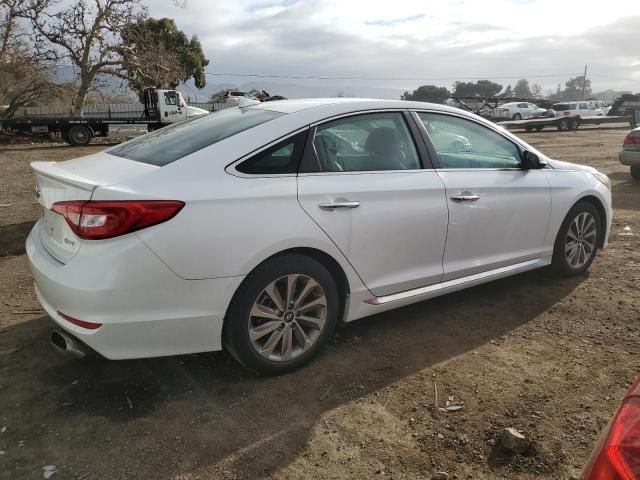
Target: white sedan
[
  {"x": 518, "y": 111},
  {"x": 258, "y": 229}
]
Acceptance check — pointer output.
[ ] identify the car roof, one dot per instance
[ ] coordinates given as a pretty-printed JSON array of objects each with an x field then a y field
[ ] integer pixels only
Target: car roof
[{"x": 322, "y": 107}]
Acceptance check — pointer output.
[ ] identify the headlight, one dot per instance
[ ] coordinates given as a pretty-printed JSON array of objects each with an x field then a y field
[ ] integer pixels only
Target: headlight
[{"x": 603, "y": 179}]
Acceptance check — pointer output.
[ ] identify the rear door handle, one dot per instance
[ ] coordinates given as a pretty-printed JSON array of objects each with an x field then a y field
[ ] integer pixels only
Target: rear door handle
[
  {"x": 465, "y": 197},
  {"x": 337, "y": 205}
]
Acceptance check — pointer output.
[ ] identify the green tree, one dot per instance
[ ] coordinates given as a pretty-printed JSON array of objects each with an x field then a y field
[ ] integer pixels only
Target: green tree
[
  {"x": 508, "y": 92},
  {"x": 573, "y": 90},
  {"x": 522, "y": 90},
  {"x": 428, "y": 93},
  {"x": 536, "y": 90},
  {"x": 157, "y": 54},
  {"x": 481, "y": 88}
]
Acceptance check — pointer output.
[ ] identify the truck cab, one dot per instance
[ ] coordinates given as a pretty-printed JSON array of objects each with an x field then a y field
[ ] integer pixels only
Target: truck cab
[{"x": 168, "y": 106}]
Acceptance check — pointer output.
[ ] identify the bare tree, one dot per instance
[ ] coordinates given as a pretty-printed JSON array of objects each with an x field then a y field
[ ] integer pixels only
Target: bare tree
[
  {"x": 25, "y": 78},
  {"x": 86, "y": 33}
]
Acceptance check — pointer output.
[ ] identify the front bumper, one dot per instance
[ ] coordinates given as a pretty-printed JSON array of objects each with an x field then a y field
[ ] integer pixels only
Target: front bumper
[
  {"x": 629, "y": 157},
  {"x": 145, "y": 309}
]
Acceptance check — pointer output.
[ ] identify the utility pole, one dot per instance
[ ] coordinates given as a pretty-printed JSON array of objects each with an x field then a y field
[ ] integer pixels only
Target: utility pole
[{"x": 584, "y": 81}]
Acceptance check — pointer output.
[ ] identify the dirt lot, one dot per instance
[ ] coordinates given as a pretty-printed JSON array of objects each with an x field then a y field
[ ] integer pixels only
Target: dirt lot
[{"x": 551, "y": 357}]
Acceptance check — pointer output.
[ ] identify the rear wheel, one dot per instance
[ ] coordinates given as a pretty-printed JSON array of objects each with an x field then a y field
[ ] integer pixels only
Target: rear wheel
[
  {"x": 635, "y": 173},
  {"x": 528, "y": 129},
  {"x": 282, "y": 315},
  {"x": 539, "y": 127},
  {"x": 79, "y": 135},
  {"x": 517, "y": 116},
  {"x": 577, "y": 241},
  {"x": 574, "y": 123}
]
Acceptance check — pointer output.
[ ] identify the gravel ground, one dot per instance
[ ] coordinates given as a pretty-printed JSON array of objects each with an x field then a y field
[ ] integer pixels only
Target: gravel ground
[{"x": 550, "y": 357}]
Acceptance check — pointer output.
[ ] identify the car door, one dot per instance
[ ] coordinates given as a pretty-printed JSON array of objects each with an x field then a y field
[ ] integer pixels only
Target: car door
[
  {"x": 498, "y": 212},
  {"x": 172, "y": 107},
  {"x": 523, "y": 110},
  {"x": 362, "y": 181}
]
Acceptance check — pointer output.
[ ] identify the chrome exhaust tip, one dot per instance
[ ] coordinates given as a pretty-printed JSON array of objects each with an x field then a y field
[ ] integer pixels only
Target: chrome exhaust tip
[{"x": 67, "y": 344}]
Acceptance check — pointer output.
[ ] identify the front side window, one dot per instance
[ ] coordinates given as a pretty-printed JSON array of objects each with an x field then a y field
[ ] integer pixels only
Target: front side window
[
  {"x": 170, "y": 98},
  {"x": 462, "y": 143},
  {"x": 367, "y": 142},
  {"x": 183, "y": 138}
]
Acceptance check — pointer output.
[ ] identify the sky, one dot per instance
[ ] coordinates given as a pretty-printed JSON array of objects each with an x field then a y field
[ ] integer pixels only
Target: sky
[{"x": 405, "y": 43}]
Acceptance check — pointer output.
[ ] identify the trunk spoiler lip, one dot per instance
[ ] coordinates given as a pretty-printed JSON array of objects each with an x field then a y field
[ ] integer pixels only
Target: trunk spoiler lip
[{"x": 51, "y": 170}]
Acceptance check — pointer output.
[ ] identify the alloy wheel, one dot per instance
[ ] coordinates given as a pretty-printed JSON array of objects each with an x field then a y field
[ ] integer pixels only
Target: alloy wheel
[
  {"x": 581, "y": 240},
  {"x": 288, "y": 317}
]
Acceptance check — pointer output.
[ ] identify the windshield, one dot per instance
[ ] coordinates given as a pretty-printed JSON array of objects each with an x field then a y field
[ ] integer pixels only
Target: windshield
[{"x": 179, "y": 140}]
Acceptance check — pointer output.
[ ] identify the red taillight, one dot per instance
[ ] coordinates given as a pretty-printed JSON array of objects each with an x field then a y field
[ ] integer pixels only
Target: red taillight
[
  {"x": 93, "y": 220},
  {"x": 80, "y": 323},
  {"x": 632, "y": 139},
  {"x": 617, "y": 456}
]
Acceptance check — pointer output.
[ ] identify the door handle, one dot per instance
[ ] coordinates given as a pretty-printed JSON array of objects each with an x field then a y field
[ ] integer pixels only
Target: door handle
[
  {"x": 466, "y": 197},
  {"x": 337, "y": 205}
]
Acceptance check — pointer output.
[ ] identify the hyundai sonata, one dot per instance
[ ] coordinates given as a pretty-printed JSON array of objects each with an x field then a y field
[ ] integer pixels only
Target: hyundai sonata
[{"x": 258, "y": 229}]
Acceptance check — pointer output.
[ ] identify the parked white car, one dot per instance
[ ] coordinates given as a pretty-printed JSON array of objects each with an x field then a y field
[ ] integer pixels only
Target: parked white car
[
  {"x": 602, "y": 105},
  {"x": 576, "y": 109},
  {"x": 518, "y": 111},
  {"x": 630, "y": 152},
  {"x": 258, "y": 229}
]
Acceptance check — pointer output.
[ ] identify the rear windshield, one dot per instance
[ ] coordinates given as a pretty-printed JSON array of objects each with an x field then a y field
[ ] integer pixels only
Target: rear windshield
[
  {"x": 179, "y": 140},
  {"x": 564, "y": 106}
]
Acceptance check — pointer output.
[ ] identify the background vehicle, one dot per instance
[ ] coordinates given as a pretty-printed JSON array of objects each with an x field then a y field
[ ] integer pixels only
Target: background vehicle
[
  {"x": 576, "y": 109},
  {"x": 518, "y": 111},
  {"x": 601, "y": 105},
  {"x": 161, "y": 108},
  {"x": 616, "y": 455},
  {"x": 261, "y": 227},
  {"x": 630, "y": 152}
]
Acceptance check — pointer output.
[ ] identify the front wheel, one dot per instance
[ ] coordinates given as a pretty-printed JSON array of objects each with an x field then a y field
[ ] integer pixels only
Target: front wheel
[
  {"x": 282, "y": 315},
  {"x": 635, "y": 173},
  {"x": 517, "y": 116},
  {"x": 577, "y": 240}
]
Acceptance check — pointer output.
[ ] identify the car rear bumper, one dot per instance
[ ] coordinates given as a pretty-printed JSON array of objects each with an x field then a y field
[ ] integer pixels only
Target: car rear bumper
[
  {"x": 629, "y": 157},
  {"x": 145, "y": 309}
]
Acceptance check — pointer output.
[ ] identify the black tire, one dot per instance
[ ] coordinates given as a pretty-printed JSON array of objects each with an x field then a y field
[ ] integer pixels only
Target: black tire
[
  {"x": 528, "y": 129},
  {"x": 79, "y": 135},
  {"x": 574, "y": 124},
  {"x": 560, "y": 262},
  {"x": 563, "y": 125},
  {"x": 539, "y": 127},
  {"x": 517, "y": 116},
  {"x": 635, "y": 173},
  {"x": 237, "y": 323}
]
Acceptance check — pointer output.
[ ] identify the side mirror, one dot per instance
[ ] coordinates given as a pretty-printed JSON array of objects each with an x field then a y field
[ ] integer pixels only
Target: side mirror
[{"x": 531, "y": 161}]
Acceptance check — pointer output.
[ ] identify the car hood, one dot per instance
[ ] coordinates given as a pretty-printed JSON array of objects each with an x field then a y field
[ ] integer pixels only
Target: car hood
[{"x": 560, "y": 165}]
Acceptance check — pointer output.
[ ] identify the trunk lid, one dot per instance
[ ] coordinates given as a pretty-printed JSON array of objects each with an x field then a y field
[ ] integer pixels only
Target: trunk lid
[{"x": 75, "y": 180}]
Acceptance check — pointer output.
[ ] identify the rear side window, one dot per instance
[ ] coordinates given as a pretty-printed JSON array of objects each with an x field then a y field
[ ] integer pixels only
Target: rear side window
[
  {"x": 564, "y": 106},
  {"x": 280, "y": 159},
  {"x": 365, "y": 143},
  {"x": 181, "y": 139}
]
